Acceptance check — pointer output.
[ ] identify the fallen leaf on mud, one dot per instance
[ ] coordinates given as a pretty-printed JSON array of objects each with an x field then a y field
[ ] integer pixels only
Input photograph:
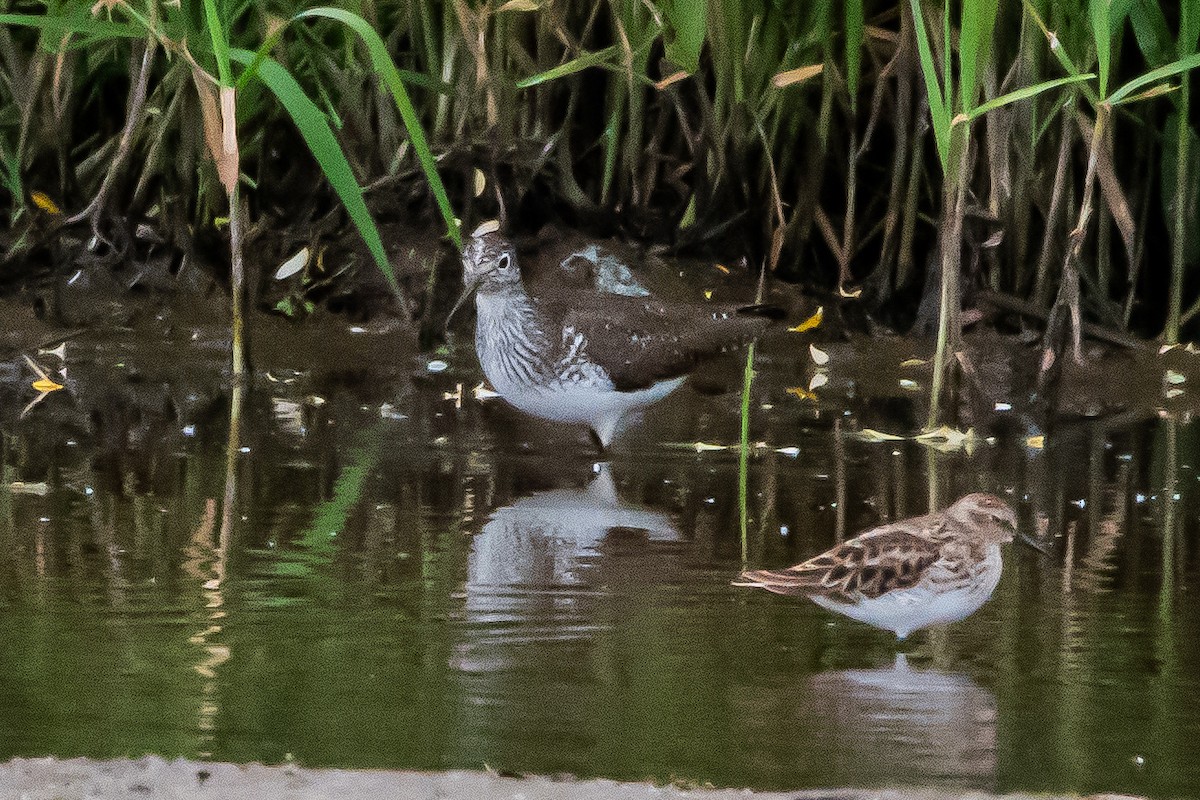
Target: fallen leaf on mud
[
  {"x": 43, "y": 201},
  {"x": 518, "y": 5},
  {"x": 913, "y": 362},
  {"x": 810, "y": 323},
  {"x": 819, "y": 357},
  {"x": 46, "y": 385},
  {"x": 909, "y": 386},
  {"x": 801, "y": 392},
  {"x": 480, "y": 182},
  {"x": 43, "y": 384},
  {"x": 850, "y": 294},
  {"x": 1166, "y": 348},
  {"x": 1036, "y": 442},
  {"x": 818, "y": 380},
  {"x": 721, "y": 268},
  {"x": 293, "y": 265},
  {"x": 1174, "y": 377},
  {"x": 1169, "y": 393}
]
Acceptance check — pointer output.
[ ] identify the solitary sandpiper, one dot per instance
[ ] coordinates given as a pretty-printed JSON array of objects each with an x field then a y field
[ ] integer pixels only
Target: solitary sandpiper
[{"x": 583, "y": 356}]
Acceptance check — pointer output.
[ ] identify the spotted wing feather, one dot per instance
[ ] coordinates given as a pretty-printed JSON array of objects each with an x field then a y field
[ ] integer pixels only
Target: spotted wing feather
[
  {"x": 866, "y": 566},
  {"x": 639, "y": 341}
]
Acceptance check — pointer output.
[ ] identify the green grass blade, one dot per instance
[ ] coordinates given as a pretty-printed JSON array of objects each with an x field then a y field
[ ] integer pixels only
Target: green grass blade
[
  {"x": 937, "y": 101},
  {"x": 314, "y": 127},
  {"x": 216, "y": 31},
  {"x": 1166, "y": 71},
  {"x": 687, "y": 23},
  {"x": 59, "y": 25},
  {"x": 382, "y": 62},
  {"x": 744, "y": 454},
  {"x": 1150, "y": 29},
  {"x": 1102, "y": 35},
  {"x": 1020, "y": 94},
  {"x": 576, "y": 64},
  {"x": 974, "y": 45}
]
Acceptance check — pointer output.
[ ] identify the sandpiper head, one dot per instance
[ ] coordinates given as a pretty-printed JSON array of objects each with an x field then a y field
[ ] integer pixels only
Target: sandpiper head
[
  {"x": 489, "y": 265},
  {"x": 986, "y": 516}
]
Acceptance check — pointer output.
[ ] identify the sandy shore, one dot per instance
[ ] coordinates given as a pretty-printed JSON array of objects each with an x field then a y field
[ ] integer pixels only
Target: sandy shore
[{"x": 151, "y": 777}]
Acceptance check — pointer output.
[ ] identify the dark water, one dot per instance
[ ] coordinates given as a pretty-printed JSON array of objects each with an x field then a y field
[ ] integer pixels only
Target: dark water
[{"x": 450, "y": 585}]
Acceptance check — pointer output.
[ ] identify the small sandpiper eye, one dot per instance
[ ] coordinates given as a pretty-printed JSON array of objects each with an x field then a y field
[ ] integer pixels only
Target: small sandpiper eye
[{"x": 502, "y": 262}]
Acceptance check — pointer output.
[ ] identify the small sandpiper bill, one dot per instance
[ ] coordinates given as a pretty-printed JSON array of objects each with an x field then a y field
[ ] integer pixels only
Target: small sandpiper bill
[
  {"x": 587, "y": 357},
  {"x": 910, "y": 574}
]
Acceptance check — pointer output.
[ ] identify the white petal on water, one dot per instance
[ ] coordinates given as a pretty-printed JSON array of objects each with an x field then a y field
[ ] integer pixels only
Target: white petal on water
[
  {"x": 819, "y": 357},
  {"x": 437, "y": 365},
  {"x": 818, "y": 380}
]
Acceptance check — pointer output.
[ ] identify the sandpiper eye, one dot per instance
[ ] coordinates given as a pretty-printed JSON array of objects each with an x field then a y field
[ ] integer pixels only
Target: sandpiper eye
[{"x": 502, "y": 262}]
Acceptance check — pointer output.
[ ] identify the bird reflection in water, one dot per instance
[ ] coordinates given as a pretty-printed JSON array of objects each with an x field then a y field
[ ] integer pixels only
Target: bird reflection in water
[
  {"x": 540, "y": 565},
  {"x": 899, "y": 721}
]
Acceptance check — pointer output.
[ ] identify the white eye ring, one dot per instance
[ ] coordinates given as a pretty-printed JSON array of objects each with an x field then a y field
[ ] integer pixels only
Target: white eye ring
[{"x": 502, "y": 262}]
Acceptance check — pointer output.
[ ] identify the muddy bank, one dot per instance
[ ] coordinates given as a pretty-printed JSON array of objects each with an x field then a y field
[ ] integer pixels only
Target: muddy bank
[{"x": 149, "y": 777}]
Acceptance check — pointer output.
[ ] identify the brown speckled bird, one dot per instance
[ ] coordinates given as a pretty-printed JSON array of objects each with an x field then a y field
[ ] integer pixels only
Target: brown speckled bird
[{"x": 910, "y": 574}]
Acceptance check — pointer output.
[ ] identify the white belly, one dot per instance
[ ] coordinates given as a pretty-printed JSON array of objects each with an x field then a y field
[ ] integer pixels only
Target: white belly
[{"x": 905, "y": 610}]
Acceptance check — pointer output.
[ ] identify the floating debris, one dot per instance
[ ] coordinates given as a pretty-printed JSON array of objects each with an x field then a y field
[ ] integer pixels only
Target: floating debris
[
  {"x": 484, "y": 392},
  {"x": 801, "y": 392},
  {"x": 819, "y": 356},
  {"x": 810, "y": 323}
]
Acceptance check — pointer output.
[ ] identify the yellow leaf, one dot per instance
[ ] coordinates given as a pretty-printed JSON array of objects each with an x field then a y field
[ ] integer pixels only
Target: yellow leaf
[
  {"x": 788, "y": 77},
  {"x": 674, "y": 77},
  {"x": 46, "y": 385},
  {"x": 801, "y": 392},
  {"x": 722, "y": 268},
  {"x": 43, "y": 201},
  {"x": 913, "y": 362},
  {"x": 811, "y": 322},
  {"x": 1036, "y": 442},
  {"x": 708, "y": 294}
]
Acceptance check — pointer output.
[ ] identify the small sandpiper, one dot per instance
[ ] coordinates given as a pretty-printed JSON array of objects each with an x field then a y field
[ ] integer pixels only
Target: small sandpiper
[
  {"x": 583, "y": 356},
  {"x": 906, "y": 575}
]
